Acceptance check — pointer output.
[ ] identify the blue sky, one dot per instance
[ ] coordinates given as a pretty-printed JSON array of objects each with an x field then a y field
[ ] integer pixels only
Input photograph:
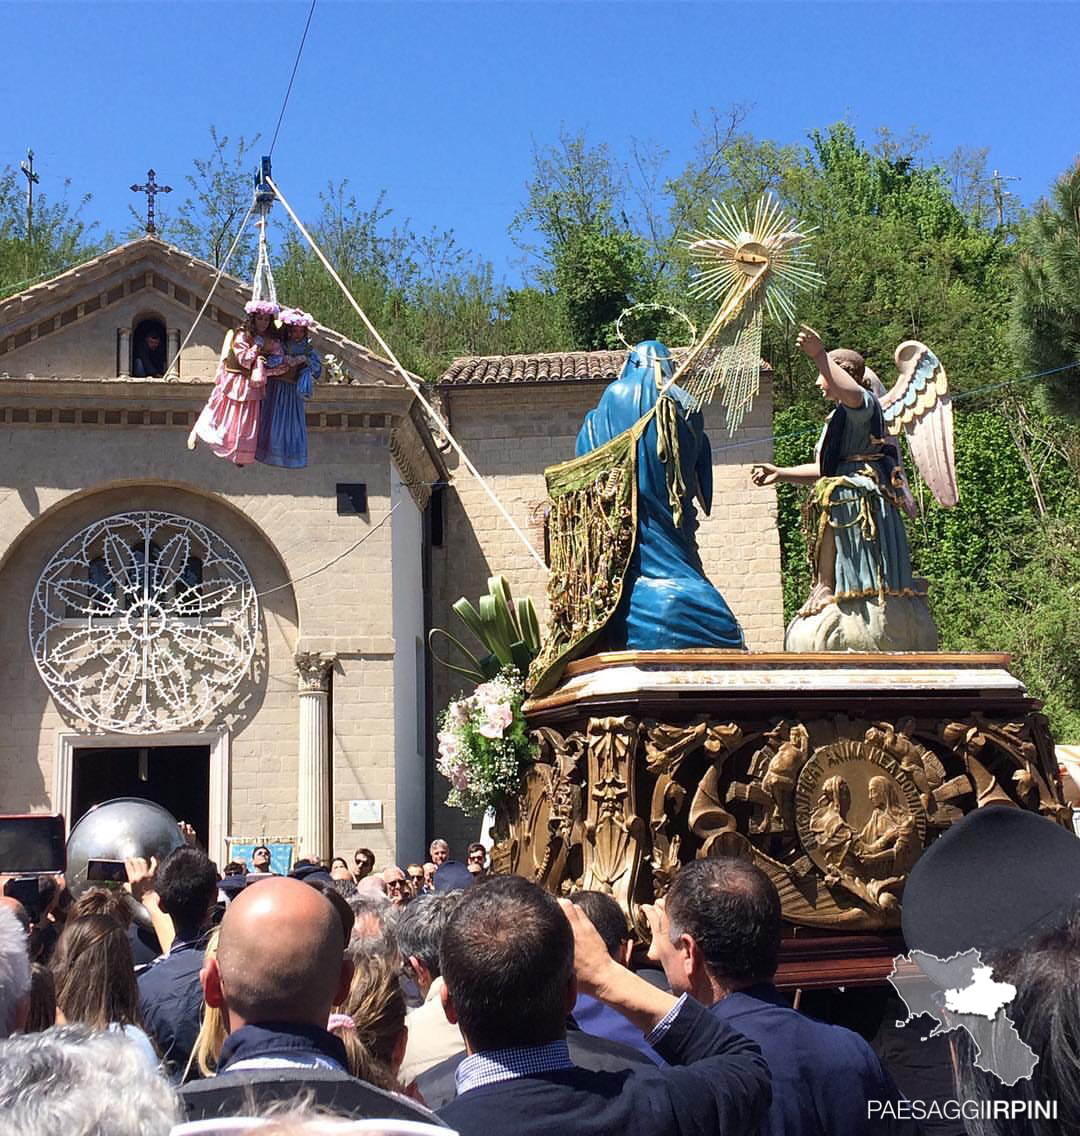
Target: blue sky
[{"x": 440, "y": 103}]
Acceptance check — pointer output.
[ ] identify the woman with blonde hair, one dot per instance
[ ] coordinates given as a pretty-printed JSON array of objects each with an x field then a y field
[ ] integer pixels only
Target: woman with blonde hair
[
  {"x": 212, "y": 1032},
  {"x": 371, "y": 1021}
]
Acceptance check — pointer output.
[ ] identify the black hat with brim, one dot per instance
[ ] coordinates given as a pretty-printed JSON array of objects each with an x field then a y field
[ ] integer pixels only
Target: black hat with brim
[{"x": 993, "y": 880}]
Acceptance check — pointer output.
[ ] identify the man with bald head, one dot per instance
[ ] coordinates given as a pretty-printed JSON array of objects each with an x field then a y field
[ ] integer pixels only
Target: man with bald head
[{"x": 280, "y": 967}]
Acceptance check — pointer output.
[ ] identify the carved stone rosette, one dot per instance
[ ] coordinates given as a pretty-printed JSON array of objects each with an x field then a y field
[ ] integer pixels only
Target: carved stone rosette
[{"x": 835, "y": 808}]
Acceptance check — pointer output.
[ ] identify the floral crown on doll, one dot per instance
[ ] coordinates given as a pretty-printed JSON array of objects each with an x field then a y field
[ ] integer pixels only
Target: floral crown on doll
[
  {"x": 262, "y": 308},
  {"x": 294, "y": 317}
]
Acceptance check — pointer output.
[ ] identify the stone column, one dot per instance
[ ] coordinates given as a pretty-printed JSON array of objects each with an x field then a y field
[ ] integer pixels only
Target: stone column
[
  {"x": 173, "y": 357},
  {"x": 124, "y": 368},
  {"x": 313, "y": 789}
]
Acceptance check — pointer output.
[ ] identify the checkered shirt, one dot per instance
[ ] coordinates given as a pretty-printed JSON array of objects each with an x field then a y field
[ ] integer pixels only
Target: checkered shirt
[{"x": 508, "y": 1064}]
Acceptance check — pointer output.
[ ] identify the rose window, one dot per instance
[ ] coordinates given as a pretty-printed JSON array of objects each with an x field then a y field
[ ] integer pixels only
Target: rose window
[{"x": 144, "y": 622}]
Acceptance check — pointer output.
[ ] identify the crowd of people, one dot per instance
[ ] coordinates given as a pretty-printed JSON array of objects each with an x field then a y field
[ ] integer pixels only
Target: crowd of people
[{"x": 441, "y": 995}]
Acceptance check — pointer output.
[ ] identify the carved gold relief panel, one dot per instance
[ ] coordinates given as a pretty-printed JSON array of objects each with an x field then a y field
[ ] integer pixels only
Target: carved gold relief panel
[{"x": 835, "y": 809}]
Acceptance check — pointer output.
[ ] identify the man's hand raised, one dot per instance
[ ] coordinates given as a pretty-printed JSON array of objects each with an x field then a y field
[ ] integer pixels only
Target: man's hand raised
[
  {"x": 601, "y": 976},
  {"x": 141, "y": 877},
  {"x": 593, "y": 966}
]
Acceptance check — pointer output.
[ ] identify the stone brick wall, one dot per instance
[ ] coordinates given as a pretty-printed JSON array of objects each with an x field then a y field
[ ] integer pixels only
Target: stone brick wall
[
  {"x": 55, "y": 480},
  {"x": 511, "y": 433}
]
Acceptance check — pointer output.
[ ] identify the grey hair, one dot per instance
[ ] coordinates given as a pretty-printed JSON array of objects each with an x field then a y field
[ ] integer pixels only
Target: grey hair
[
  {"x": 14, "y": 969},
  {"x": 421, "y": 926},
  {"x": 79, "y": 1081},
  {"x": 375, "y": 925}
]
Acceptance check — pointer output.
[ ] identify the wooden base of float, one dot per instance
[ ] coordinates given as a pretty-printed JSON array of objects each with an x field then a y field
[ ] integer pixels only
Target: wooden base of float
[{"x": 832, "y": 772}]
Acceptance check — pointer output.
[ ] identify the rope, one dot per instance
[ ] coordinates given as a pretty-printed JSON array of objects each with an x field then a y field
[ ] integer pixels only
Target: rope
[
  {"x": 330, "y": 563},
  {"x": 407, "y": 378},
  {"x": 213, "y": 286},
  {"x": 262, "y": 283},
  {"x": 296, "y": 64}
]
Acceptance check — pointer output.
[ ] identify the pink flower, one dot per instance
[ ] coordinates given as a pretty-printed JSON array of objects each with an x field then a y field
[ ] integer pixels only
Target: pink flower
[
  {"x": 449, "y": 745},
  {"x": 497, "y": 716}
]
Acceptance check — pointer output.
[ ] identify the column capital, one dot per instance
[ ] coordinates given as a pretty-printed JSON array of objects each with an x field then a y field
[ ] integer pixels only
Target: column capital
[{"x": 313, "y": 670}]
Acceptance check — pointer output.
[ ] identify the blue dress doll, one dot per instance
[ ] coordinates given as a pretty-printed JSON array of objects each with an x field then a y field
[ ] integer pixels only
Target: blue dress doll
[{"x": 283, "y": 425}]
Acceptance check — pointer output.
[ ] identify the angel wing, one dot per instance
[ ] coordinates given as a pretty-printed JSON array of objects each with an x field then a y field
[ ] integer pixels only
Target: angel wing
[
  {"x": 907, "y": 501},
  {"x": 919, "y": 405}
]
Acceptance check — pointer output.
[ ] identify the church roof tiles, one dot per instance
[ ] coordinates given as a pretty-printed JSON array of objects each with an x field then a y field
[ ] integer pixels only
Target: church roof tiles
[{"x": 556, "y": 367}]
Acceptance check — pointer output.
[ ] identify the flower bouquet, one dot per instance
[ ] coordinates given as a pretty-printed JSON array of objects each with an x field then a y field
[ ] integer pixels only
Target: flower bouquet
[{"x": 483, "y": 744}]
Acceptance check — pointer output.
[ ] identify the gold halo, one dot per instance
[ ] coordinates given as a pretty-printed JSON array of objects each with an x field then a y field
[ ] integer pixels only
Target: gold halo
[{"x": 654, "y": 307}]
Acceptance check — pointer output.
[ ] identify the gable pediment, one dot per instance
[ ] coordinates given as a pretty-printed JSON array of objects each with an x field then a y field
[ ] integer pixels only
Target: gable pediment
[{"x": 71, "y": 326}]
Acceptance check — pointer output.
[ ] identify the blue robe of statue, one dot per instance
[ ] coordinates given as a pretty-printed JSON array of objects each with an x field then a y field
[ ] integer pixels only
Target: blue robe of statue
[{"x": 667, "y": 602}]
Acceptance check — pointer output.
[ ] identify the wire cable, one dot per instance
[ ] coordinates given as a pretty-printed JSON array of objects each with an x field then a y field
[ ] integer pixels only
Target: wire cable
[
  {"x": 330, "y": 563},
  {"x": 213, "y": 286},
  {"x": 410, "y": 382},
  {"x": 296, "y": 64}
]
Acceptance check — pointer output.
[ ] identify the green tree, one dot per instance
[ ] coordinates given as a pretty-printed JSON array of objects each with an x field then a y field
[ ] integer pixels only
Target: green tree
[
  {"x": 221, "y": 189},
  {"x": 1045, "y": 323},
  {"x": 900, "y": 261},
  {"x": 60, "y": 236},
  {"x": 576, "y": 227}
]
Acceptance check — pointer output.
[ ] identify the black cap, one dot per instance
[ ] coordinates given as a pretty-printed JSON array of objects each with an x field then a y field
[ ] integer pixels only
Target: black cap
[
  {"x": 992, "y": 880},
  {"x": 452, "y": 876},
  {"x": 232, "y": 886}
]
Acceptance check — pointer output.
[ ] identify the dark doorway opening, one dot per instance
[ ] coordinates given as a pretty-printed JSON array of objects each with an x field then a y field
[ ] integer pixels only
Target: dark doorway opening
[{"x": 175, "y": 777}]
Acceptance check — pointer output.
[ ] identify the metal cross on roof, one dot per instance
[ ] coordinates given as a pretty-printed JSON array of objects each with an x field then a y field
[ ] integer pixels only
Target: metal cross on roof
[
  {"x": 151, "y": 189},
  {"x": 32, "y": 179}
]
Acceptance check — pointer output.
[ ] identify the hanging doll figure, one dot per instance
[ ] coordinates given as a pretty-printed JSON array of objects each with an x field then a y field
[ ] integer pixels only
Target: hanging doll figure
[
  {"x": 282, "y": 438},
  {"x": 251, "y": 355}
]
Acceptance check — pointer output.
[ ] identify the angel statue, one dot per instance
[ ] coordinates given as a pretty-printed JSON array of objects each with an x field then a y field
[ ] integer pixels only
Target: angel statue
[{"x": 864, "y": 596}]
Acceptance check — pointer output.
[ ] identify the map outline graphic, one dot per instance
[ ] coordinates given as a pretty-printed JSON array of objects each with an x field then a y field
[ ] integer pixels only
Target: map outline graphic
[{"x": 999, "y": 1048}]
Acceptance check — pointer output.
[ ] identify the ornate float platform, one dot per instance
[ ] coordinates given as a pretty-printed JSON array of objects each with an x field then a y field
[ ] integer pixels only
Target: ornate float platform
[{"x": 833, "y": 772}]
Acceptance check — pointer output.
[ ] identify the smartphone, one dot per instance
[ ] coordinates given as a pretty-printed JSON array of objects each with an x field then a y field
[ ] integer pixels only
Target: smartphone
[
  {"x": 32, "y": 845},
  {"x": 106, "y": 871},
  {"x": 25, "y": 890}
]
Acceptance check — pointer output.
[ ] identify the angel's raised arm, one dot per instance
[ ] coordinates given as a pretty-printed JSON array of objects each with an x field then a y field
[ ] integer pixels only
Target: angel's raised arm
[{"x": 839, "y": 385}]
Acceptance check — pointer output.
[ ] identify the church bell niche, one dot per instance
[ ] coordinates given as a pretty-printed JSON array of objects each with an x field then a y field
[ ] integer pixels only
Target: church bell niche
[{"x": 144, "y": 623}]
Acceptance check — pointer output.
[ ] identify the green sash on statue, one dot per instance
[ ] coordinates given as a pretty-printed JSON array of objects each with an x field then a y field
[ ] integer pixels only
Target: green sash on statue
[{"x": 592, "y": 530}]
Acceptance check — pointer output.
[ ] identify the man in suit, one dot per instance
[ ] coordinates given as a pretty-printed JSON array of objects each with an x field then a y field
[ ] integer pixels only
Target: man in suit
[
  {"x": 590, "y": 1014},
  {"x": 512, "y": 964},
  {"x": 280, "y": 966},
  {"x": 717, "y": 935}
]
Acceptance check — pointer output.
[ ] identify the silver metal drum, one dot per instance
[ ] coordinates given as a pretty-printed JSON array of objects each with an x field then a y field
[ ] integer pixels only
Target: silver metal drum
[{"x": 119, "y": 830}]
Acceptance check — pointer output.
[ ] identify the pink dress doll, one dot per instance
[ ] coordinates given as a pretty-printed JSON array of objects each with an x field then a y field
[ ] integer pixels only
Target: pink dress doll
[{"x": 229, "y": 423}]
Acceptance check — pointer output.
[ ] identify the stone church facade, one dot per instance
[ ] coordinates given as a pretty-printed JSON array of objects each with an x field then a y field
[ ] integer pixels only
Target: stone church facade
[{"x": 247, "y": 645}]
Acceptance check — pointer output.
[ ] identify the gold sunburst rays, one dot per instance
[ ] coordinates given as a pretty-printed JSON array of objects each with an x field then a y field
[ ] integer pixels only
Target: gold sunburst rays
[
  {"x": 735, "y": 252},
  {"x": 747, "y": 266}
]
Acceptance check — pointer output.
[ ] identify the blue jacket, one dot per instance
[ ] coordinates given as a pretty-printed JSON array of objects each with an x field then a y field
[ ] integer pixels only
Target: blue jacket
[
  {"x": 592, "y": 1016},
  {"x": 171, "y": 1003},
  {"x": 822, "y": 1075}
]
